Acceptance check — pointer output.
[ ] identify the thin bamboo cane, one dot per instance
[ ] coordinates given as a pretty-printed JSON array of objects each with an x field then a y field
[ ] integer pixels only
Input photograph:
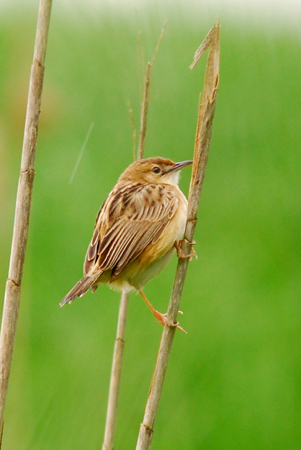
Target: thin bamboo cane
[{"x": 23, "y": 205}]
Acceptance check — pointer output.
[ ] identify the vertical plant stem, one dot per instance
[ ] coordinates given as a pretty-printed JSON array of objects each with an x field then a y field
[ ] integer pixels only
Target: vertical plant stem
[
  {"x": 108, "y": 443},
  {"x": 144, "y": 111},
  {"x": 23, "y": 205},
  {"x": 201, "y": 149},
  {"x": 145, "y": 101},
  {"x": 133, "y": 129}
]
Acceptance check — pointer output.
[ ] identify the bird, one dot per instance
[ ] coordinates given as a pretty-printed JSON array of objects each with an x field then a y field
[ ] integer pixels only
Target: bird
[{"x": 137, "y": 230}]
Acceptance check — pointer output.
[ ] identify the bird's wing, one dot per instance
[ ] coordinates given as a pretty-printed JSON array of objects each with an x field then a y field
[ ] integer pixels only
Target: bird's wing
[{"x": 130, "y": 219}]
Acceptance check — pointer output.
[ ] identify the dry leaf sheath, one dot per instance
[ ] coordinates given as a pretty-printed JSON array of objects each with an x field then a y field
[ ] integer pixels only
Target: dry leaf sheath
[{"x": 137, "y": 230}]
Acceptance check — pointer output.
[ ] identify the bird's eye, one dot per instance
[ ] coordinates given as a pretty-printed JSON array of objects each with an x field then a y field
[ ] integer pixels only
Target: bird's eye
[{"x": 156, "y": 169}]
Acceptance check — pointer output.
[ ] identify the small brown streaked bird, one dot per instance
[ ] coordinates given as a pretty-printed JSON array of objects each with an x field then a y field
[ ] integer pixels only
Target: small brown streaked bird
[{"x": 137, "y": 230}]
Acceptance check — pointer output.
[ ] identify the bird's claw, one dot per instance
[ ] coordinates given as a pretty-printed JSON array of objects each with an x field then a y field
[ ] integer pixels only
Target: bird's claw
[
  {"x": 162, "y": 318},
  {"x": 180, "y": 254}
]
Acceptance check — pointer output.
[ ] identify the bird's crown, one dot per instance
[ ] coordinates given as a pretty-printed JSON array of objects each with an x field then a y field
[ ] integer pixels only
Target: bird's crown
[{"x": 154, "y": 170}]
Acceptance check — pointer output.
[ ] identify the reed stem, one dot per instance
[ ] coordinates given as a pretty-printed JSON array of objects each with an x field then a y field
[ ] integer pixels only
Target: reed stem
[
  {"x": 23, "y": 205},
  {"x": 201, "y": 149}
]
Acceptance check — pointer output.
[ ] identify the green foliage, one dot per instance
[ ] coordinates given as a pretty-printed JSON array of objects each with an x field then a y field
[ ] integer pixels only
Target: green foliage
[{"x": 234, "y": 380}]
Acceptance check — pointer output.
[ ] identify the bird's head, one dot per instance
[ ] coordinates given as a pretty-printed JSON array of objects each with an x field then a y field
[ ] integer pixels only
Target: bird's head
[{"x": 154, "y": 171}]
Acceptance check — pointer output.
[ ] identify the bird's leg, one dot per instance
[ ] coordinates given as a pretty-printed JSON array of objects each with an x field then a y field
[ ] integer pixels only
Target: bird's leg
[
  {"x": 180, "y": 254},
  {"x": 162, "y": 318}
]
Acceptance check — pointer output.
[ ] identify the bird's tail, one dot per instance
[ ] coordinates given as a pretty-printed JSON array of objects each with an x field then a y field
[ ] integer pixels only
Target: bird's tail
[{"x": 81, "y": 287}]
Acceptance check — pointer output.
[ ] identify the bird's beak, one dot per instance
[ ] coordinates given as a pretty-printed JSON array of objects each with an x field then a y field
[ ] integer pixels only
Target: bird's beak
[{"x": 180, "y": 165}]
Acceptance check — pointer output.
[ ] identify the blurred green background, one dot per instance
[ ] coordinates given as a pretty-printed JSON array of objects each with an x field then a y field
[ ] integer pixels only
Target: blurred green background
[{"x": 234, "y": 381}]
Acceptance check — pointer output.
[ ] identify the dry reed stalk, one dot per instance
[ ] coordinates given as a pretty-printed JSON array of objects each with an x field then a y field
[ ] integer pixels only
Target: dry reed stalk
[
  {"x": 23, "y": 205},
  {"x": 108, "y": 443},
  {"x": 145, "y": 102},
  {"x": 133, "y": 129},
  {"x": 144, "y": 111},
  {"x": 201, "y": 149}
]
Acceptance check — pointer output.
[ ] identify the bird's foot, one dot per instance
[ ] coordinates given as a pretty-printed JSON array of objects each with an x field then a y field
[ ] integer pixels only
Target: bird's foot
[
  {"x": 162, "y": 318},
  {"x": 180, "y": 254}
]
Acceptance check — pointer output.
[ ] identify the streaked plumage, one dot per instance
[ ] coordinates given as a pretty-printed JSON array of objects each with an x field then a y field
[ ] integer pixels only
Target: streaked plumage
[{"x": 136, "y": 228}]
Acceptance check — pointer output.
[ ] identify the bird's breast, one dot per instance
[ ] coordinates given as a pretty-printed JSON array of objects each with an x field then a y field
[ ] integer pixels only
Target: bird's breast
[{"x": 173, "y": 232}]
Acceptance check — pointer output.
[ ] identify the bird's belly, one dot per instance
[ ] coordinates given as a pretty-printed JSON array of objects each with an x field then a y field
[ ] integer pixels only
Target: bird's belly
[
  {"x": 147, "y": 273},
  {"x": 136, "y": 275}
]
